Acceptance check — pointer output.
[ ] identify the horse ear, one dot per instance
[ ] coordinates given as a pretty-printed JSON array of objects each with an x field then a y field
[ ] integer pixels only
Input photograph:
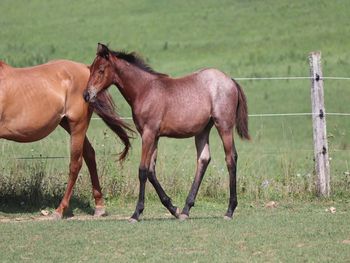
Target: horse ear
[{"x": 102, "y": 50}]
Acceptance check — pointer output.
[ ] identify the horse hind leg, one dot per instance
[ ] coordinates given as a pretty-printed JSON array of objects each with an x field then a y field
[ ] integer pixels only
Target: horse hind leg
[
  {"x": 148, "y": 144},
  {"x": 90, "y": 160},
  {"x": 76, "y": 161},
  {"x": 203, "y": 159},
  {"x": 231, "y": 162}
]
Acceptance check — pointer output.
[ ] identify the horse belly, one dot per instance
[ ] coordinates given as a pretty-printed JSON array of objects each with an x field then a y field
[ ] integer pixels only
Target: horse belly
[
  {"x": 27, "y": 132},
  {"x": 184, "y": 123},
  {"x": 28, "y": 123}
]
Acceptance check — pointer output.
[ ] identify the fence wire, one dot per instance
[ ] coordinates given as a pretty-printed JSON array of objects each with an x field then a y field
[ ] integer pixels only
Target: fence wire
[
  {"x": 295, "y": 114},
  {"x": 290, "y": 78}
]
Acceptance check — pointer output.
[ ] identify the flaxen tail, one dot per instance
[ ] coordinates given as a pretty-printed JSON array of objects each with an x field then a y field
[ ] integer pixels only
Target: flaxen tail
[
  {"x": 242, "y": 114},
  {"x": 104, "y": 107}
]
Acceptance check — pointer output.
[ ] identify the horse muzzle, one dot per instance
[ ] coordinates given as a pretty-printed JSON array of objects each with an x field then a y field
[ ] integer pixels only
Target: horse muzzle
[
  {"x": 86, "y": 96},
  {"x": 90, "y": 94}
]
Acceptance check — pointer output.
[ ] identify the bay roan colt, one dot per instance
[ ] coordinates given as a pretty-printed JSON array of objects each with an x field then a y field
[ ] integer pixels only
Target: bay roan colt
[
  {"x": 35, "y": 100},
  {"x": 179, "y": 108}
]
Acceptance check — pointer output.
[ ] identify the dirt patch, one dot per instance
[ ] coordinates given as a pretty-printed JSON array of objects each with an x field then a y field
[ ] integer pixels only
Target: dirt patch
[{"x": 48, "y": 218}]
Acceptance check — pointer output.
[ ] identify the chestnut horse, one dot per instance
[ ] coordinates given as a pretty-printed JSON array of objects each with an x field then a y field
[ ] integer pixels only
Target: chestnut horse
[
  {"x": 35, "y": 100},
  {"x": 178, "y": 108}
]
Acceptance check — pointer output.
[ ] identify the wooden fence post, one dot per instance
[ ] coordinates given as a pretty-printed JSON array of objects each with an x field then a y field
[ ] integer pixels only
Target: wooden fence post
[{"x": 322, "y": 168}]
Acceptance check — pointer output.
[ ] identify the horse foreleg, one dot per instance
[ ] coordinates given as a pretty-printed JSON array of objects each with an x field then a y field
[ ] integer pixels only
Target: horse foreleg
[
  {"x": 147, "y": 149},
  {"x": 203, "y": 159},
  {"x": 76, "y": 160},
  {"x": 164, "y": 198}
]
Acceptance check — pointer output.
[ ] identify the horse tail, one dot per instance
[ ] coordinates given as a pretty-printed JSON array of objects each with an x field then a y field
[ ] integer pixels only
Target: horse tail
[
  {"x": 104, "y": 107},
  {"x": 242, "y": 114}
]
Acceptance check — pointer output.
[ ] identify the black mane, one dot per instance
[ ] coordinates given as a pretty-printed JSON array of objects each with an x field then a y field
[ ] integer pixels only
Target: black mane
[{"x": 134, "y": 59}]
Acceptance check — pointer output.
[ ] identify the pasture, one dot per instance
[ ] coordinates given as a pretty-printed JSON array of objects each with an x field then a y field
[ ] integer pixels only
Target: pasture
[
  {"x": 242, "y": 38},
  {"x": 292, "y": 232}
]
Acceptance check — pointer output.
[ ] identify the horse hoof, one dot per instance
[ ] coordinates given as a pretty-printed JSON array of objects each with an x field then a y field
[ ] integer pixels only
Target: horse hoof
[
  {"x": 177, "y": 213},
  {"x": 100, "y": 212},
  {"x": 132, "y": 220},
  {"x": 183, "y": 217},
  {"x": 56, "y": 216},
  {"x": 228, "y": 218}
]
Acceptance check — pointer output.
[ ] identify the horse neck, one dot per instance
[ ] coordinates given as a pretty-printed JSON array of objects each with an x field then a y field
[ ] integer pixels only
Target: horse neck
[{"x": 132, "y": 81}]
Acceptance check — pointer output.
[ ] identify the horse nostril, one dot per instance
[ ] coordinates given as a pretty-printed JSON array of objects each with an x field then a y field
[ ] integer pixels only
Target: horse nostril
[{"x": 86, "y": 96}]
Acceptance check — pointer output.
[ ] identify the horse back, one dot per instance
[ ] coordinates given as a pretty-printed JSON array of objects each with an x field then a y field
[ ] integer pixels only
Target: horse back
[
  {"x": 190, "y": 102},
  {"x": 184, "y": 105},
  {"x": 205, "y": 86}
]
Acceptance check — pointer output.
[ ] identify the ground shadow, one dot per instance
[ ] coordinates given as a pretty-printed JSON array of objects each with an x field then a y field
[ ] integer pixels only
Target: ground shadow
[
  {"x": 176, "y": 219},
  {"x": 14, "y": 204}
]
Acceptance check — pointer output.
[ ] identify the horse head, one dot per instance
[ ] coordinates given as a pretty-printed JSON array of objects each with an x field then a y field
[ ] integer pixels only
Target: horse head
[{"x": 101, "y": 73}]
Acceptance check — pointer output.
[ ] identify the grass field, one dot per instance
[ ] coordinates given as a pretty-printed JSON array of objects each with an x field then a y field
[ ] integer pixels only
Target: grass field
[
  {"x": 292, "y": 232},
  {"x": 243, "y": 38}
]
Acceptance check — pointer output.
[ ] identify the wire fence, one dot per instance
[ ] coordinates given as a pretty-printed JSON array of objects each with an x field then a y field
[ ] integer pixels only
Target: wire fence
[
  {"x": 295, "y": 114},
  {"x": 290, "y": 78},
  {"x": 260, "y": 115},
  {"x": 281, "y": 114}
]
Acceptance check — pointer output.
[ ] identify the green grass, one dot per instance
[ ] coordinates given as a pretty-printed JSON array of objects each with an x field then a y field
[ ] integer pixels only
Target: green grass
[
  {"x": 292, "y": 232},
  {"x": 242, "y": 38}
]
